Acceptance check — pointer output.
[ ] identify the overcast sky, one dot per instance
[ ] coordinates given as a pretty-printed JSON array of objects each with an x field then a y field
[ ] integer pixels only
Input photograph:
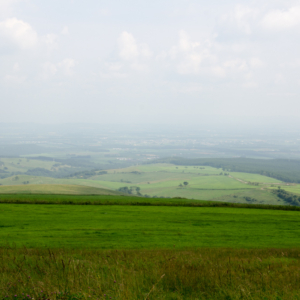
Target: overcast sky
[{"x": 147, "y": 61}]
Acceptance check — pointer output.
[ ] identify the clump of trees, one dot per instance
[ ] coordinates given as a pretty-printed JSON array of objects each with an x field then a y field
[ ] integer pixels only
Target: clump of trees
[
  {"x": 130, "y": 190},
  {"x": 287, "y": 197},
  {"x": 249, "y": 199},
  {"x": 185, "y": 183}
]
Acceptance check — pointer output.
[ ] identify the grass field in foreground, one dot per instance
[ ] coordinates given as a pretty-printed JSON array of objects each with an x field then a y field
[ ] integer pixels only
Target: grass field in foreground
[
  {"x": 140, "y": 227},
  {"x": 215, "y": 274}
]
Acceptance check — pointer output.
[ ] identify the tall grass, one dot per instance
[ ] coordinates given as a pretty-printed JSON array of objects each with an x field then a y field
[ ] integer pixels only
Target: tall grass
[{"x": 156, "y": 274}]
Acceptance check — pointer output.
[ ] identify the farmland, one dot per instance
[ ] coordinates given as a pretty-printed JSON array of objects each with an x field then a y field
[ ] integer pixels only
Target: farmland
[
  {"x": 51, "y": 189},
  {"x": 160, "y": 180}
]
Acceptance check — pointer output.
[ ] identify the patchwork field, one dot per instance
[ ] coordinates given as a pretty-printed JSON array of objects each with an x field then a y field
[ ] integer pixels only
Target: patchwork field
[{"x": 160, "y": 180}]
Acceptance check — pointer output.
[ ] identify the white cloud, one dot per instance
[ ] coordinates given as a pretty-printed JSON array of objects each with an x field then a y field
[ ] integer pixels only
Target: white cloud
[
  {"x": 128, "y": 46},
  {"x": 65, "y": 30},
  {"x": 240, "y": 19},
  {"x": 243, "y": 16},
  {"x": 19, "y": 33},
  {"x": 279, "y": 19},
  {"x": 65, "y": 67},
  {"x": 193, "y": 56},
  {"x": 49, "y": 70},
  {"x": 130, "y": 50},
  {"x": 256, "y": 63},
  {"x": 113, "y": 70},
  {"x": 16, "y": 67},
  {"x": 51, "y": 41},
  {"x": 237, "y": 65},
  {"x": 6, "y": 7},
  {"x": 14, "y": 79}
]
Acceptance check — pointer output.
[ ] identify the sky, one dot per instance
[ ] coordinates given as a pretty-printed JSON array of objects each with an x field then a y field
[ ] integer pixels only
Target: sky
[{"x": 127, "y": 62}]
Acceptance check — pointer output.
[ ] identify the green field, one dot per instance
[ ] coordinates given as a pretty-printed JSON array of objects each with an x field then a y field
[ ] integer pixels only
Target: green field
[
  {"x": 160, "y": 180},
  {"x": 132, "y": 248},
  {"x": 136, "y": 227},
  {"x": 54, "y": 189}
]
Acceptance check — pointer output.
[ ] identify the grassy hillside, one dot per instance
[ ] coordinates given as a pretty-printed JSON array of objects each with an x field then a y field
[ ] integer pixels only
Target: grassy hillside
[
  {"x": 136, "y": 227},
  {"x": 286, "y": 170},
  {"x": 54, "y": 189}
]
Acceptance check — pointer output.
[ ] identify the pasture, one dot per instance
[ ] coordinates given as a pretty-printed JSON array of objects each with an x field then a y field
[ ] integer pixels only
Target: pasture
[
  {"x": 146, "y": 227},
  {"x": 161, "y": 180},
  {"x": 54, "y": 189}
]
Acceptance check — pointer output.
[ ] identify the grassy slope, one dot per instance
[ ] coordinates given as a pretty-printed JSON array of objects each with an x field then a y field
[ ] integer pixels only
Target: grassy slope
[
  {"x": 254, "y": 177},
  {"x": 121, "y": 227},
  {"x": 54, "y": 189},
  {"x": 293, "y": 189}
]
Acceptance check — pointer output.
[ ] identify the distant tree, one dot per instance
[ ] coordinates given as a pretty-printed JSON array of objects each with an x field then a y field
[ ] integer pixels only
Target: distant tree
[
  {"x": 180, "y": 185},
  {"x": 125, "y": 190},
  {"x": 185, "y": 183},
  {"x": 138, "y": 189}
]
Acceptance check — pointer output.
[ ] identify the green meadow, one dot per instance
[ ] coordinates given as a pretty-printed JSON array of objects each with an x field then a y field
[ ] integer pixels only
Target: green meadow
[
  {"x": 50, "y": 189},
  {"x": 146, "y": 227},
  {"x": 125, "y": 247}
]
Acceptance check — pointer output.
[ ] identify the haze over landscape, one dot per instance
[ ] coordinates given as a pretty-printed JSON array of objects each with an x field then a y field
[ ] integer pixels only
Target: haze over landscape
[{"x": 168, "y": 62}]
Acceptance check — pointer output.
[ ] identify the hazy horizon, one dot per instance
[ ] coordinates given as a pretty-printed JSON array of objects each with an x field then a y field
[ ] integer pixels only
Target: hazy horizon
[{"x": 166, "y": 62}]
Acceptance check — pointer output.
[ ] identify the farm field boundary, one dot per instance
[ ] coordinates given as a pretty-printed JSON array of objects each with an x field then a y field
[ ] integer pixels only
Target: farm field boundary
[{"x": 111, "y": 200}]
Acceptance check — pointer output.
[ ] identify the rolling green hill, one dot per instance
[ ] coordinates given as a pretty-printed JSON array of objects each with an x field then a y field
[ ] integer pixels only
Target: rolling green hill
[
  {"x": 55, "y": 189},
  {"x": 160, "y": 180}
]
